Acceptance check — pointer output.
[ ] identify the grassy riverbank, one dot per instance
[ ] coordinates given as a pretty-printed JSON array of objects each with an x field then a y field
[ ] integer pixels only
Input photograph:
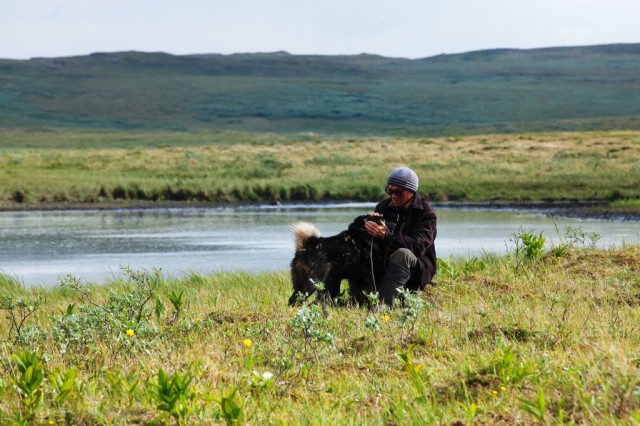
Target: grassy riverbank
[
  {"x": 96, "y": 168},
  {"x": 528, "y": 338}
]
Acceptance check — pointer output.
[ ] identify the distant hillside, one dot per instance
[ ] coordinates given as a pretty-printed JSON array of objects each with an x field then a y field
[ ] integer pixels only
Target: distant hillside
[{"x": 503, "y": 90}]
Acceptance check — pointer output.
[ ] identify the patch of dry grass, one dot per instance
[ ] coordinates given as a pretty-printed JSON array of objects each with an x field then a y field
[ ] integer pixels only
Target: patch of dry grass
[{"x": 218, "y": 167}]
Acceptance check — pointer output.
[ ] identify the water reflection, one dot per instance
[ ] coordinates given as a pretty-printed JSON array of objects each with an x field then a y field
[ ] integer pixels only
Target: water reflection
[{"x": 40, "y": 247}]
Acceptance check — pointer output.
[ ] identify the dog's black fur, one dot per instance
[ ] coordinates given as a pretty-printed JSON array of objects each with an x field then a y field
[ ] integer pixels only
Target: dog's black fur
[{"x": 329, "y": 260}]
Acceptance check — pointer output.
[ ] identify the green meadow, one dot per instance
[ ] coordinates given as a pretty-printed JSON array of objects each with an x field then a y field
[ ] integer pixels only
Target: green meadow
[
  {"x": 541, "y": 335},
  {"x": 42, "y": 168}
]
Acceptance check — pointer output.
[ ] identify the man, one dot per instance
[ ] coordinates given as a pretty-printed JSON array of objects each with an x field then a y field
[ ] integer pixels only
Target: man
[{"x": 408, "y": 231}]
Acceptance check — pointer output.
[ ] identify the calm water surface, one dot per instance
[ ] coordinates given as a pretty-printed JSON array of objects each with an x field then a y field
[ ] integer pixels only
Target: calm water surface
[{"x": 38, "y": 248}]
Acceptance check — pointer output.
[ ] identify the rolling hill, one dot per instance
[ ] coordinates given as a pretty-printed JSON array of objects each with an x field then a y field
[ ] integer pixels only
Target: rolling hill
[{"x": 502, "y": 90}]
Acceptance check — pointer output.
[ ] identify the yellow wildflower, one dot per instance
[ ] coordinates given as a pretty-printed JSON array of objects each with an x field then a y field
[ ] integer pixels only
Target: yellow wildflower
[
  {"x": 502, "y": 388},
  {"x": 130, "y": 332},
  {"x": 247, "y": 342},
  {"x": 386, "y": 318}
]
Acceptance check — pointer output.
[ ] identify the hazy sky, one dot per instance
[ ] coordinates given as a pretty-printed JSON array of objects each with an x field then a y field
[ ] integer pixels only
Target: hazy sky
[{"x": 399, "y": 28}]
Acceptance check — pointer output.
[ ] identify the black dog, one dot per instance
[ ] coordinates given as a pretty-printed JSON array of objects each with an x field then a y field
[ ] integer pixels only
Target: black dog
[{"x": 352, "y": 255}]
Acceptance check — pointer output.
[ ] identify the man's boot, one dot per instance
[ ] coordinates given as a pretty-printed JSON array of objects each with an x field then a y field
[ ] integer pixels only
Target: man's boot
[
  {"x": 395, "y": 277},
  {"x": 401, "y": 263}
]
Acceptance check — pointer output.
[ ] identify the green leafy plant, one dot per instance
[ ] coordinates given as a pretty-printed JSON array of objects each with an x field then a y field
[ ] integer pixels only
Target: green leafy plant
[
  {"x": 230, "y": 410},
  {"x": 262, "y": 381},
  {"x": 96, "y": 321},
  {"x": 533, "y": 245},
  {"x": 172, "y": 394},
  {"x": 576, "y": 236},
  {"x": 18, "y": 311},
  {"x": 309, "y": 323},
  {"x": 124, "y": 385},
  {"x": 129, "y": 306},
  {"x": 373, "y": 298},
  {"x": 63, "y": 383},
  {"x": 508, "y": 368},
  {"x": 372, "y": 322},
  {"x": 158, "y": 309},
  {"x": 28, "y": 379},
  {"x": 473, "y": 265},
  {"x": 320, "y": 288},
  {"x": 470, "y": 408},
  {"x": 144, "y": 287},
  {"x": 559, "y": 251},
  {"x": 446, "y": 268},
  {"x": 411, "y": 310},
  {"x": 537, "y": 407},
  {"x": 178, "y": 303},
  {"x": 528, "y": 247},
  {"x": 412, "y": 369}
]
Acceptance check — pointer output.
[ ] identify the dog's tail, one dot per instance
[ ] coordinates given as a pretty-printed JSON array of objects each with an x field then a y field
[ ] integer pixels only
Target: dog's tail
[{"x": 302, "y": 232}]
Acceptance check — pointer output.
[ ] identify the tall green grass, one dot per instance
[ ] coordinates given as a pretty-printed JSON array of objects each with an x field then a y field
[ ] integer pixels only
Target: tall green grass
[{"x": 525, "y": 338}]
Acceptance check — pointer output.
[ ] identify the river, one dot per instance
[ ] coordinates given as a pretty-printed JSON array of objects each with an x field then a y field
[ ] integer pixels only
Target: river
[{"x": 39, "y": 247}]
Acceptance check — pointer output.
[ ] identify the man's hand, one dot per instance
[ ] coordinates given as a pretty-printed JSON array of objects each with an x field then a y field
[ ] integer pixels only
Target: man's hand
[{"x": 375, "y": 228}]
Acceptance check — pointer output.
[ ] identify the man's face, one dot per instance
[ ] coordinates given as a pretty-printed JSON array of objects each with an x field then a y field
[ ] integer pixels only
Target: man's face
[{"x": 399, "y": 197}]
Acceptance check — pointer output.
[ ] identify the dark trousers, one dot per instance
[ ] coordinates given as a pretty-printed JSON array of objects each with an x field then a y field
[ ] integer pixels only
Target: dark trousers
[{"x": 401, "y": 264}]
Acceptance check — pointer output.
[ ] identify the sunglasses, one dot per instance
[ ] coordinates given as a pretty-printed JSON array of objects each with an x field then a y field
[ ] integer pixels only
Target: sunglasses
[{"x": 397, "y": 192}]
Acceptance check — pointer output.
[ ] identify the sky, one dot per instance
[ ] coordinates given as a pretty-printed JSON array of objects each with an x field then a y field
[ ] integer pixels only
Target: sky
[{"x": 393, "y": 28}]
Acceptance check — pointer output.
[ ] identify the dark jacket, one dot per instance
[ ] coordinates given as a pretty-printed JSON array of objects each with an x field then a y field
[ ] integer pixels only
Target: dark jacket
[{"x": 416, "y": 231}]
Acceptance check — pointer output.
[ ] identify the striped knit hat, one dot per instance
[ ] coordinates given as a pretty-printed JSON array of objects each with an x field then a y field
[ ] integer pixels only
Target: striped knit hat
[{"x": 404, "y": 178}]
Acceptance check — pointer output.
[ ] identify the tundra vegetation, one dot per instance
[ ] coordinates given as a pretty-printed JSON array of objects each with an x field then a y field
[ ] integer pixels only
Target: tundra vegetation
[
  {"x": 489, "y": 91},
  {"x": 40, "y": 168},
  {"x": 545, "y": 334}
]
